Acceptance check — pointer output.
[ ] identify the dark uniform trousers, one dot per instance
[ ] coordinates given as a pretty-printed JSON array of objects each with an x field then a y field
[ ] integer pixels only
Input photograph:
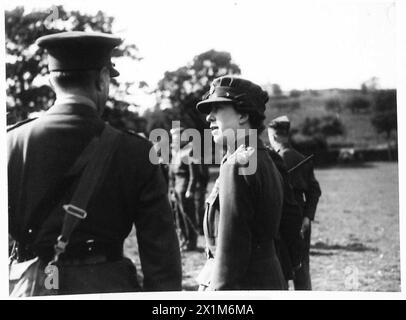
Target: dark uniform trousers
[
  {"x": 302, "y": 279},
  {"x": 307, "y": 193},
  {"x": 133, "y": 192},
  {"x": 241, "y": 222}
]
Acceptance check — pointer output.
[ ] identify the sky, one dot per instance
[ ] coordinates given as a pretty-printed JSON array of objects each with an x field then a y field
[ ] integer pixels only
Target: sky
[{"x": 299, "y": 45}]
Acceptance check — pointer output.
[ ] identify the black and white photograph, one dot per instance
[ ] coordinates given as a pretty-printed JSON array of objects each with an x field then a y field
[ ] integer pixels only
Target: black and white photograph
[{"x": 194, "y": 148}]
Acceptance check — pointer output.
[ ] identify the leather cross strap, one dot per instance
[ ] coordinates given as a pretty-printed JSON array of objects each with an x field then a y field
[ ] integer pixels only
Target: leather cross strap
[
  {"x": 53, "y": 194},
  {"x": 94, "y": 172},
  {"x": 301, "y": 163}
]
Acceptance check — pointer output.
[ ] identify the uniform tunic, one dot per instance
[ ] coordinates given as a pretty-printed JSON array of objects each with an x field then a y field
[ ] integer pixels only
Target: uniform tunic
[
  {"x": 241, "y": 222},
  {"x": 133, "y": 192}
]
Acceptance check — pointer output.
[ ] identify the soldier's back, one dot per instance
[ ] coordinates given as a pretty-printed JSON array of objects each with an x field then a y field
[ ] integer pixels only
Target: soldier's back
[
  {"x": 133, "y": 190},
  {"x": 42, "y": 151}
]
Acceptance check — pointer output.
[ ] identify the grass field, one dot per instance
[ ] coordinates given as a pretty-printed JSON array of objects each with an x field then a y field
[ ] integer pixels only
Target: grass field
[{"x": 355, "y": 238}]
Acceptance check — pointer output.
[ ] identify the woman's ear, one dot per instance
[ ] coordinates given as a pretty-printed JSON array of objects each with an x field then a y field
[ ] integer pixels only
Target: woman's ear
[{"x": 244, "y": 117}]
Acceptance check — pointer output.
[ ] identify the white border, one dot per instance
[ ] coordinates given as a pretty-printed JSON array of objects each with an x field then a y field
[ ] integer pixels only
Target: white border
[{"x": 271, "y": 295}]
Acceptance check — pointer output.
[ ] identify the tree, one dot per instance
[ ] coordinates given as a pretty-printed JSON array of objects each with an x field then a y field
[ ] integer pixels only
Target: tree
[
  {"x": 26, "y": 66},
  {"x": 364, "y": 88},
  {"x": 295, "y": 93},
  {"x": 333, "y": 104},
  {"x": 276, "y": 90},
  {"x": 284, "y": 104},
  {"x": 358, "y": 104},
  {"x": 185, "y": 86},
  {"x": 327, "y": 126},
  {"x": 371, "y": 85},
  {"x": 384, "y": 117},
  {"x": 311, "y": 138},
  {"x": 161, "y": 119}
]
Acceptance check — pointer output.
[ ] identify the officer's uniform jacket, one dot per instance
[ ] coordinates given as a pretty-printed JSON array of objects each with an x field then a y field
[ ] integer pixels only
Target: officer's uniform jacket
[
  {"x": 305, "y": 186},
  {"x": 133, "y": 191},
  {"x": 241, "y": 222}
]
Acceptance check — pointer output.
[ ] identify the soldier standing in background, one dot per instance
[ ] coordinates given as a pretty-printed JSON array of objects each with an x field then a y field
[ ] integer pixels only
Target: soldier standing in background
[
  {"x": 42, "y": 152},
  {"x": 306, "y": 190},
  {"x": 200, "y": 193},
  {"x": 290, "y": 244},
  {"x": 183, "y": 175}
]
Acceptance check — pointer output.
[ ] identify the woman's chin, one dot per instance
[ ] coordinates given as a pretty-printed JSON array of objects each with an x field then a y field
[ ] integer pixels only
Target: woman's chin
[{"x": 216, "y": 136}]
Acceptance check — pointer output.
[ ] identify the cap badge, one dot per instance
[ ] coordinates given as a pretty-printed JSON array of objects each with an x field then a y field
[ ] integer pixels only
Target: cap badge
[{"x": 212, "y": 89}]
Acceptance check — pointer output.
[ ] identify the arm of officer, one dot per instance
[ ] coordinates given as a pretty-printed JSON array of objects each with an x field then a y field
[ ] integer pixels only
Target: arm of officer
[
  {"x": 234, "y": 237},
  {"x": 312, "y": 194},
  {"x": 157, "y": 240}
]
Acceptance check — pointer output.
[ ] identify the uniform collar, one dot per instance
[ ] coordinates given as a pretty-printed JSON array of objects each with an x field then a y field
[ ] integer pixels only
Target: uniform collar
[
  {"x": 282, "y": 146},
  {"x": 246, "y": 141},
  {"x": 71, "y": 104},
  {"x": 75, "y": 99}
]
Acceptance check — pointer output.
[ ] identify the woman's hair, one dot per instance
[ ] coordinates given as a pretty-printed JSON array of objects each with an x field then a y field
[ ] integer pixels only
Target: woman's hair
[{"x": 255, "y": 119}]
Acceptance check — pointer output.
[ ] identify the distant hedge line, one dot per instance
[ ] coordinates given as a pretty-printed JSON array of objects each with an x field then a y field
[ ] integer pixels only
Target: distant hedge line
[{"x": 339, "y": 156}]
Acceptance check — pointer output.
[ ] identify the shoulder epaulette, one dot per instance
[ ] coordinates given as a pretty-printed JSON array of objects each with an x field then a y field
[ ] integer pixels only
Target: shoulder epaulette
[
  {"x": 242, "y": 155},
  {"x": 19, "y": 124},
  {"x": 136, "y": 134}
]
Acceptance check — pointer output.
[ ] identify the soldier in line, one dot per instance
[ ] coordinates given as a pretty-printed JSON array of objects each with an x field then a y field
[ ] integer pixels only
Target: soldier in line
[
  {"x": 183, "y": 175},
  {"x": 202, "y": 180},
  {"x": 306, "y": 190},
  {"x": 133, "y": 191},
  {"x": 290, "y": 244},
  {"x": 244, "y": 208},
  {"x": 161, "y": 148}
]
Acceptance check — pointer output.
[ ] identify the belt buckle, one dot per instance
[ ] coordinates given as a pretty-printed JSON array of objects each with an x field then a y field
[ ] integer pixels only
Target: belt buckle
[{"x": 75, "y": 211}]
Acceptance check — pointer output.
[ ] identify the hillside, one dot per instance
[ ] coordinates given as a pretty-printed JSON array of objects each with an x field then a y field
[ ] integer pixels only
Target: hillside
[{"x": 358, "y": 128}]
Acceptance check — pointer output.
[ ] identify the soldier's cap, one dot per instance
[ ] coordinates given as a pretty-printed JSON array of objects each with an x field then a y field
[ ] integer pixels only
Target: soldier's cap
[
  {"x": 79, "y": 51},
  {"x": 176, "y": 131},
  {"x": 243, "y": 94},
  {"x": 280, "y": 123}
]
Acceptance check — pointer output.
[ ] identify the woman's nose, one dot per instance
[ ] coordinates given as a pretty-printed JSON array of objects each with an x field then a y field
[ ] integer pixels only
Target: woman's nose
[{"x": 210, "y": 117}]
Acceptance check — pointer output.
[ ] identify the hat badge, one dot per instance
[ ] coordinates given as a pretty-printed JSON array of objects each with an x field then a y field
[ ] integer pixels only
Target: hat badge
[{"x": 212, "y": 89}]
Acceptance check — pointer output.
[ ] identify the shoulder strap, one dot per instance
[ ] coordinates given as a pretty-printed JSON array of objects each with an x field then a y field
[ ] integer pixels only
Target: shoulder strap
[
  {"x": 50, "y": 199},
  {"x": 19, "y": 124},
  {"x": 91, "y": 177},
  {"x": 301, "y": 163}
]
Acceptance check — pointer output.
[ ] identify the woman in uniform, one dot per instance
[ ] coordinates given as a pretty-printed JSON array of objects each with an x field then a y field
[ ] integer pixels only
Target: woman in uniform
[{"x": 244, "y": 208}]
